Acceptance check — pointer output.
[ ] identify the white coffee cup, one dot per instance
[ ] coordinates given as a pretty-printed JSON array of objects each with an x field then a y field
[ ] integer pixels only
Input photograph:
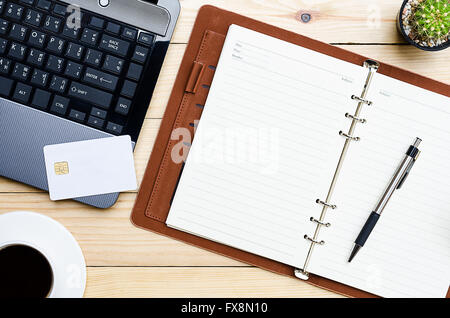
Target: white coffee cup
[{"x": 54, "y": 242}]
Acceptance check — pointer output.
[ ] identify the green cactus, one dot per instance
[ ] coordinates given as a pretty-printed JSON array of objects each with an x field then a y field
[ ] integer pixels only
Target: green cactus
[{"x": 431, "y": 19}]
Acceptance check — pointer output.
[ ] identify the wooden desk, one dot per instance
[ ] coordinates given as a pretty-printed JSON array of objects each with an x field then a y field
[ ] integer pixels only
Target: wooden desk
[{"x": 124, "y": 261}]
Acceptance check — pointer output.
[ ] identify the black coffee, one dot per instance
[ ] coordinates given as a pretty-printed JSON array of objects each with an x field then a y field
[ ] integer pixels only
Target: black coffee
[{"x": 24, "y": 272}]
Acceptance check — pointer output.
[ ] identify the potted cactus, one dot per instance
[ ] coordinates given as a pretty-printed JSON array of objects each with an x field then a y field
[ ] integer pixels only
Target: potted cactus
[{"x": 425, "y": 23}]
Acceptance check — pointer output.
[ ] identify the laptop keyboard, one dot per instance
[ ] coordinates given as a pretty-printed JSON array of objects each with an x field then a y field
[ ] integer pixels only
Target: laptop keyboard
[{"x": 89, "y": 75}]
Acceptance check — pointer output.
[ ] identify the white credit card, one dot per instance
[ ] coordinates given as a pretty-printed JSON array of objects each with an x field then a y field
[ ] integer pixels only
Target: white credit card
[{"x": 91, "y": 167}]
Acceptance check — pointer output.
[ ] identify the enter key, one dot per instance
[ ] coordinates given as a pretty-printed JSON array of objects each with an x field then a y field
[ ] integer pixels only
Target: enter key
[{"x": 100, "y": 79}]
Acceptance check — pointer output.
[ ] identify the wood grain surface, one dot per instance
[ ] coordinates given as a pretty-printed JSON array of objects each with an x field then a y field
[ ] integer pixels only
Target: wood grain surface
[{"x": 124, "y": 261}]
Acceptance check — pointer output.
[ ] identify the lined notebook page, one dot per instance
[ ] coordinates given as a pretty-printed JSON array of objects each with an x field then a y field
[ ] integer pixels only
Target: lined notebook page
[
  {"x": 408, "y": 253},
  {"x": 266, "y": 146}
]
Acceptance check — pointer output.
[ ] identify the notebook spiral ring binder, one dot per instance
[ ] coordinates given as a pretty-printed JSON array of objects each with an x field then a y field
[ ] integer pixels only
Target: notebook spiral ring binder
[
  {"x": 343, "y": 134},
  {"x": 333, "y": 206},
  {"x": 372, "y": 67},
  {"x": 313, "y": 241},
  {"x": 360, "y": 120},
  {"x": 362, "y": 100},
  {"x": 313, "y": 219}
]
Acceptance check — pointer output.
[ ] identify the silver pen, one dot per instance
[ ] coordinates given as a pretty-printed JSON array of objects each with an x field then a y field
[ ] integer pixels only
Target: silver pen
[{"x": 396, "y": 183}]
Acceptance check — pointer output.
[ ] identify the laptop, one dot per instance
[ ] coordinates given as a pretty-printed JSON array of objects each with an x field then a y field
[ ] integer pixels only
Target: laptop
[{"x": 76, "y": 70}]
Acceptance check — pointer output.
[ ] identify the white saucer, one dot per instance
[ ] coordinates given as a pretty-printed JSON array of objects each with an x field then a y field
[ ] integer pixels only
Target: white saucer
[{"x": 55, "y": 242}]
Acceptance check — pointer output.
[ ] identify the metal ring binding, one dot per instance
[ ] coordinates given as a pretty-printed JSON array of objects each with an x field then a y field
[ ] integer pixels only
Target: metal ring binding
[
  {"x": 361, "y": 120},
  {"x": 362, "y": 100},
  {"x": 312, "y": 219},
  {"x": 306, "y": 237},
  {"x": 343, "y": 134},
  {"x": 300, "y": 273},
  {"x": 333, "y": 206},
  {"x": 372, "y": 66}
]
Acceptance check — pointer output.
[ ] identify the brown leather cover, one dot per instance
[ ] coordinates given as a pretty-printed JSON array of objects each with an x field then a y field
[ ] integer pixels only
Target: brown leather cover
[{"x": 185, "y": 106}]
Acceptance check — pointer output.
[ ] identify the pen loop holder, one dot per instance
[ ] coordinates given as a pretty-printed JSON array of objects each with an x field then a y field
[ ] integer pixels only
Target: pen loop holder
[
  {"x": 312, "y": 219},
  {"x": 332, "y": 206},
  {"x": 306, "y": 237}
]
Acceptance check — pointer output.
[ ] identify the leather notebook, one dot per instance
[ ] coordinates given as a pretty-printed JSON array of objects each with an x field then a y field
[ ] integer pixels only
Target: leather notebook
[{"x": 162, "y": 185}]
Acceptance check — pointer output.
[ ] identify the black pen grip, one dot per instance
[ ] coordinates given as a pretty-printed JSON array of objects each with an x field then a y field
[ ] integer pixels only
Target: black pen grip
[{"x": 367, "y": 229}]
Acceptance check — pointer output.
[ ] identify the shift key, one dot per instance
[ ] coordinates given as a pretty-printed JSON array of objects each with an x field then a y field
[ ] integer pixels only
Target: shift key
[
  {"x": 100, "y": 79},
  {"x": 91, "y": 95}
]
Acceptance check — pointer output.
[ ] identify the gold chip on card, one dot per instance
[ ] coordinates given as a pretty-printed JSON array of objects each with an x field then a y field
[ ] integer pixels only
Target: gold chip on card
[{"x": 61, "y": 168}]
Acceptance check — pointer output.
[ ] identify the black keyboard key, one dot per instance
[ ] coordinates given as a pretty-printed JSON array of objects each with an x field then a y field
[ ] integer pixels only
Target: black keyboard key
[
  {"x": 60, "y": 105},
  {"x": 14, "y": 11},
  {"x": 3, "y": 44},
  {"x": 145, "y": 38},
  {"x": 123, "y": 106},
  {"x": 71, "y": 32},
  {"x": 44, "y": 4},
  {"x": 97, "y": 23},
  {"x": 41, "y": 99},
  {"x": 100, "y": 113},
  {"x": 114, "y": 45},
  {"x": 60, "y": 9},
  {"x": 129, "y": 34},
  {"x": 91, "y": 95},
  {"x": 59, "y": 84},
  {"x": 73, "y": 70},
  {"x": 96, "y": 122},
  {"x": 74, "y": 51},
  {"x": 55, "y": 45},
  {"x": 33, "y": 17},
  {"x": 54, "y": 75},
  {"x": 77, "y": 115},
  {"x": 140, "y": 54},
  {"x": 113, "y": 28},
  {"x": 135, "y": 72},
  {"x": 18, "y": 32},
  {"x": 5, "y": 66},
  {"x": 36, "y": 57},
  {"x": 113, "y": 128},
  {"x": 3, "y": 26},
  {"x": 90, "y": 37},
  {"x": 52, "y": 24},
  {"x": 113, "y": 64},
  {"x": 6, "y": 85},
  {"x": 100, "y": 79},
  {"x": 93, "y": 57},
  {"x": 40, "y": 78},
  {"x": 37, "y": 39},
  {"x": 21, "y": 72},
  {"x": 55, "y": 64},
  {"x": 128, "y": 89},
  {"x": 17, "y": 51},
  {"x": 22, "y": 93}
]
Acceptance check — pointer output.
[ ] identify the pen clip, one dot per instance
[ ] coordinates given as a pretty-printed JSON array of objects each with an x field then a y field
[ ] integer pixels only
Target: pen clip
[
  {"x": 402, "y": 180},
  {"x": 408, "y": 170}
]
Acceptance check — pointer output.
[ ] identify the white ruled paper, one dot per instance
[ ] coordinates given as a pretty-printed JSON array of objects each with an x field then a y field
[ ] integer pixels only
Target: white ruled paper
[
  {"x": 408, "y": 252},
  {"x": 266, "y": 146}
]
